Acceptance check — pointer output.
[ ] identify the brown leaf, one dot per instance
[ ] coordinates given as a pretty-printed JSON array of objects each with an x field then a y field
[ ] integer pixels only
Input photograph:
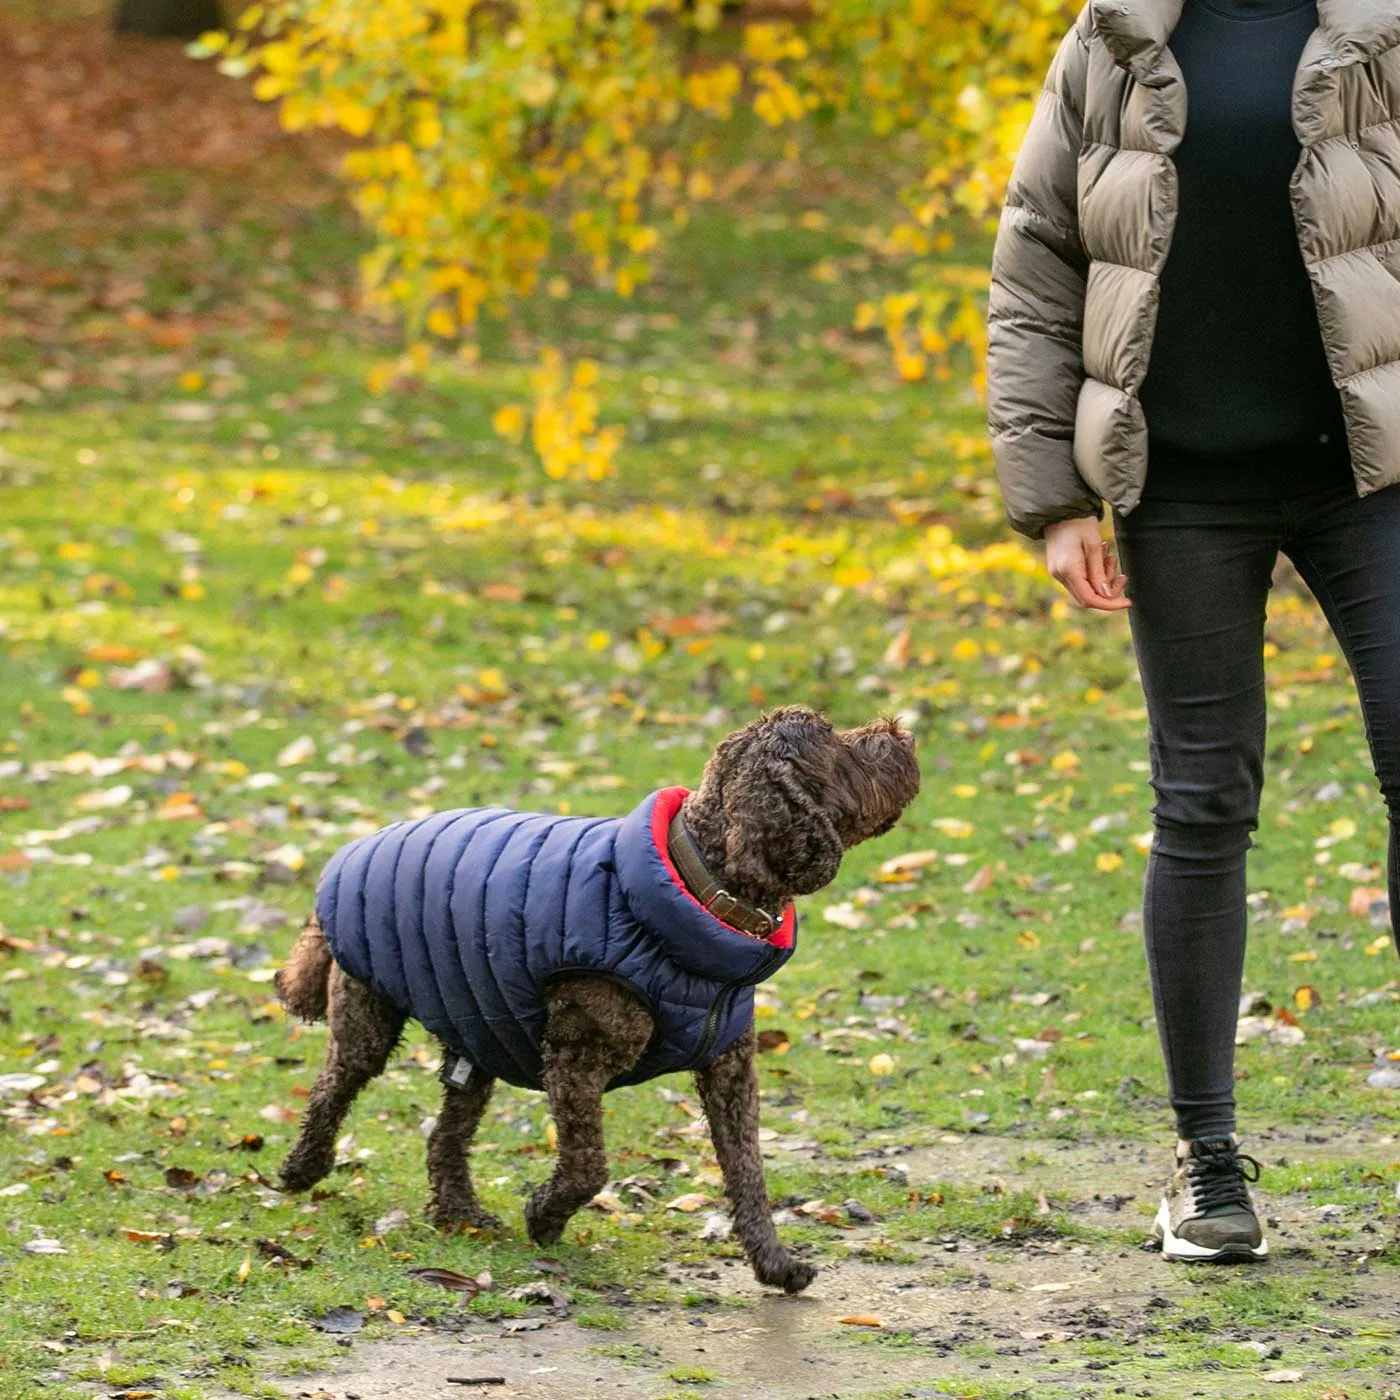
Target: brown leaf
[
  {"x": 447, "y": 1278},
  {"x": 501, "y": 592},
  {"x": 897, "y": 653},
  {"x": 980, "y": 881},
  {"x": 181, "y": 1178},
  {"x": 689, "y": 625},
  {"x": 148, "y": 1237},
  {"x": 774, "y": 1041},
  {"x": 1362, "y": 899},
  {"x": 280, "y": 1254}
]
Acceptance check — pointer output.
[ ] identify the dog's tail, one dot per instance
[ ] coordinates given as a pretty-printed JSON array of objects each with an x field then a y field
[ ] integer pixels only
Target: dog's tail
[{"x": 303, "y": 985}]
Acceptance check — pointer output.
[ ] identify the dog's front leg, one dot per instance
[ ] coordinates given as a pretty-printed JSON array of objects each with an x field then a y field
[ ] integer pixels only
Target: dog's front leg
[
  {"x": 729, "y": 1091},
  {"x": 595, "y": 1032}
]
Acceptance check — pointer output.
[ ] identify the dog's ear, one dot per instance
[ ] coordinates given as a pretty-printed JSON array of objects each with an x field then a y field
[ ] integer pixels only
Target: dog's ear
[{"x": 778, "y": 834}]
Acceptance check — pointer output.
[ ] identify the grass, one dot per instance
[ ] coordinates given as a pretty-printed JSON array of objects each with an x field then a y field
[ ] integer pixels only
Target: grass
[{"x": 355, "y": 609}]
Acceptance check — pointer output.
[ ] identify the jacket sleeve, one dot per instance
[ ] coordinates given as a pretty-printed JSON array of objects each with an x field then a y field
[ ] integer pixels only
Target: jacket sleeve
[{"x": 1035, "y": 318}]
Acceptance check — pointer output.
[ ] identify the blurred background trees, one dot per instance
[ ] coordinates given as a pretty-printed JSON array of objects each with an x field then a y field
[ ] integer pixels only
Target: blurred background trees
[{"x": 505, "y": 148}]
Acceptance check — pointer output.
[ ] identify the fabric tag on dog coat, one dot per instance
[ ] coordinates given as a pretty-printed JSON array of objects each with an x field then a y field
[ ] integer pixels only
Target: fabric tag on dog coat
[{"x": 456, "y": 1071}]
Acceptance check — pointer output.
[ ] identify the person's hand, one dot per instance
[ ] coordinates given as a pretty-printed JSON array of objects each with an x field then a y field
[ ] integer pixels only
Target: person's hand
[{"x": 1082, "y": 562}]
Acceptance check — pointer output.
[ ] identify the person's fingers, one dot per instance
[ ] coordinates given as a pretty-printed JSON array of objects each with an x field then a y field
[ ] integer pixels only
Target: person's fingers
[
  {"x": 1074, "y": 580},
  {"x": 1119, "y": 604},
  {"x": 1117, "y": 581},
  {"x": 1094, "y": 555}
]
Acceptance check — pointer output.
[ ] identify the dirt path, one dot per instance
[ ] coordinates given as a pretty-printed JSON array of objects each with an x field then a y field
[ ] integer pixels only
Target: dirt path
[{"x": 1009, "y": 1319}]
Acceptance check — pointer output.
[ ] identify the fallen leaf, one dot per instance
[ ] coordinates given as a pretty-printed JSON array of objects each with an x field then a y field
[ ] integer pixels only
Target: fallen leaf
[
  {"x": 897, "y": 653},
  {"x": 980, "y": 881},
  {"x": 339, "y": 1321},
  {"x": 447, "y": 1278},
  {"x": 1306, "y": 997},
  {"x": 861, "y": 1320},
  {"x": 881, "y": 1066},
  {"x": 298, "y": 751},
  {"x": 689, "y": 1203},
  {"x": 1363, "y": 899},
  {"x": 1282, "y": 1377},
  {"x": 774, "y": 1042},
  {"x": 148, "y": 1237},
  {"x": 909, "y": 862}
]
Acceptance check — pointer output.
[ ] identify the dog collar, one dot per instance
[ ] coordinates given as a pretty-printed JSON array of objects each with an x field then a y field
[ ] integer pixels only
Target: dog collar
[{"x": 729, "y": 909}]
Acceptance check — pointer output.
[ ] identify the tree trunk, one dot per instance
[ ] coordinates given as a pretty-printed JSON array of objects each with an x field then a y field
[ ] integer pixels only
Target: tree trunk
[{"x": 168, "y": 19}]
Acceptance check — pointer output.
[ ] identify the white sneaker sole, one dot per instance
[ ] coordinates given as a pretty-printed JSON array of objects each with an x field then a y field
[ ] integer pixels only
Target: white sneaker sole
[{"x": 1174, "y": 1247}]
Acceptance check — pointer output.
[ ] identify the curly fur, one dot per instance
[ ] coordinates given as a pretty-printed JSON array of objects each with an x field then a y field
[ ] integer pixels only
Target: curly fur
[{"x": 779, "y": 803}]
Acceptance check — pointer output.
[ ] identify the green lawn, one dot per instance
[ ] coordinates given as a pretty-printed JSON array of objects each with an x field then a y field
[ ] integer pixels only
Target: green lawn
[{"x": 248, "y": 611}]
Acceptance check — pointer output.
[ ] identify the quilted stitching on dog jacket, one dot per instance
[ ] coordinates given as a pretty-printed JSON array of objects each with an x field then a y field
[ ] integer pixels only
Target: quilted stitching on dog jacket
[
  {"x": 463, "y": 919},
  {"x": 1088, "y": 222}
]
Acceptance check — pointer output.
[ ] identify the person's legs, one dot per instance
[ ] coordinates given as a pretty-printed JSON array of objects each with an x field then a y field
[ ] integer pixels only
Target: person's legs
[
  {"x": 1199, "y": 579},
  {"x": 1348, "y": 552}
]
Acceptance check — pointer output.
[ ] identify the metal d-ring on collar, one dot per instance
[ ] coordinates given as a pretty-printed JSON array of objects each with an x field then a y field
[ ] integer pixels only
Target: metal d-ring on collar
[{"x": 727, "y": 908}]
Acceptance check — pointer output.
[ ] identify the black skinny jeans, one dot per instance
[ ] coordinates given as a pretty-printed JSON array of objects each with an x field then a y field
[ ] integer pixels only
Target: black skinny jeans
[{"x": 1199, "y": 576}]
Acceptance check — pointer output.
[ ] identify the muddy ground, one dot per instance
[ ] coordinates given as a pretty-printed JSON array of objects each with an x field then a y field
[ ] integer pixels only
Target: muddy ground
[{"x": 1060, "y": 1317}]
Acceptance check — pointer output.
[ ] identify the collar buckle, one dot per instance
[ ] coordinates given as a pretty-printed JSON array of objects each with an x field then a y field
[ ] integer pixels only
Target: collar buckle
[{"x": 725, "y": 907}]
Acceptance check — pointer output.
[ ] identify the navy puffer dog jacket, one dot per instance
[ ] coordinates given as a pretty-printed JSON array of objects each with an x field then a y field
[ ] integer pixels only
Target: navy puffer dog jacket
[{"x": 463, "y": 919}]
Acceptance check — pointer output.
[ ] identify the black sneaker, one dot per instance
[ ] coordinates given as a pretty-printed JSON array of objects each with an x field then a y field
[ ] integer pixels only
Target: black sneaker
[{"x": 1206, "y": 1214}]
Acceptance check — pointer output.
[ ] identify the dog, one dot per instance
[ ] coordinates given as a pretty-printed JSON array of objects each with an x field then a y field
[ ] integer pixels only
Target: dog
[{"x": 577, "y": 954}]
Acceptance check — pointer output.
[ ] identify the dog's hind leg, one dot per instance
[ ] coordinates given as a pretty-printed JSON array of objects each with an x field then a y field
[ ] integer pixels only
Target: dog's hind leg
[
  {"x": 729, "y": 1092},
  {"x": 364, "y": 1030},
  {"x": 595, "y": 1032},
  {"x": 452, "y": 1201}
]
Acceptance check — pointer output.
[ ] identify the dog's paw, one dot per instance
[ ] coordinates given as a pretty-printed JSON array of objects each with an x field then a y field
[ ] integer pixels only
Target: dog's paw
[
  {"x": 542, "y": 1225},
  {"x": 302, "y": 1170},
  {"x": 455, "y": 1220},
  {"x": 785, "y": 1272}
]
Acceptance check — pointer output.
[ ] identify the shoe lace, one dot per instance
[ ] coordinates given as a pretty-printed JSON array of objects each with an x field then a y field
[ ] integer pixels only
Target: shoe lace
[{"x": 1218, "y": 1173}]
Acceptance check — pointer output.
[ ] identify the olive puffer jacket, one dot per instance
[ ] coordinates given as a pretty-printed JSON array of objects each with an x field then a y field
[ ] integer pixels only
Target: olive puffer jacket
[{"x": 1088, "y": 222}]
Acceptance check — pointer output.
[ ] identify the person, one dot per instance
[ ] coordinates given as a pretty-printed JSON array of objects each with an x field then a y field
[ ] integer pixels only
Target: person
[{"x": 1195, "y": 320}]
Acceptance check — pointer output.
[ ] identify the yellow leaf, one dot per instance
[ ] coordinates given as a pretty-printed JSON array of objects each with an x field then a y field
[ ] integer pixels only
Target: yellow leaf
[
  {"x": 245, "y": 1268},
  {"x": 1107, "y": 861},
  {"x": 1028, "y": 938},
  {"x": 441, "y": 322},
  {"x": 509, "y": 422},
  {"x": 881, "y": 1066}
]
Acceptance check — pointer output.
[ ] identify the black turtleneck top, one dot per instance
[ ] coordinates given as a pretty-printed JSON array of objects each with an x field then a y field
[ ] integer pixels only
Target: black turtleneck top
[{"x": 1239, "y": 400}]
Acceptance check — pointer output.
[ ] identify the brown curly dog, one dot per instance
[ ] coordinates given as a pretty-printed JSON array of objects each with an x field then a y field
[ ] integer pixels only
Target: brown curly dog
[{"x": 779, "y": 803}]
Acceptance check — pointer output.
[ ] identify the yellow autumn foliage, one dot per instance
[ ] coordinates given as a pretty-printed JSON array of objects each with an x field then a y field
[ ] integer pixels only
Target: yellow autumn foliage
[{"x": 494, "y": 136}]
